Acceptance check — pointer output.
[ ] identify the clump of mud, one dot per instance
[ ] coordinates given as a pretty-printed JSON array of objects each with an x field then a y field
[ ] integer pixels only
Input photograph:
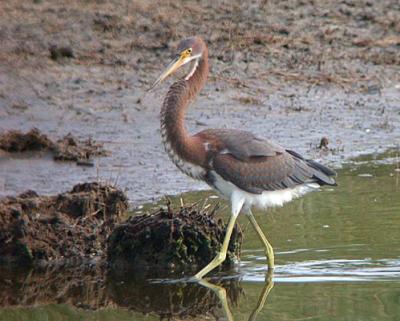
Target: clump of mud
[
  {"x": 57, "y": 53},
  {"x": 75, "y": 227},
  {"x": 186, "y": 239},
  {"x": 70, "y": 226},
  {"x": 69, "y": 148},
  {"x": 16, "y": 141}
]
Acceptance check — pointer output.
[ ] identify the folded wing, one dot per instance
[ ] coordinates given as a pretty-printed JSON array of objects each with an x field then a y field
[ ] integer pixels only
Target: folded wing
[{"x": 256, "y": 165}]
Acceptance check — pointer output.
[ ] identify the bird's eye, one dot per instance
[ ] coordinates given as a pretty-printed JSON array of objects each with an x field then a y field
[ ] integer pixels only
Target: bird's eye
[{"x": 189, "y": 50}]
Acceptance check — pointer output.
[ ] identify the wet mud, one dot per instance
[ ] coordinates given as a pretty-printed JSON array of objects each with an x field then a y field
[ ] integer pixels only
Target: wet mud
[
  {"x": 86, "y": 225},
  {"x": 69, "y": 148},
  {"x": 68, "y": 228},
  {"x": 185, "y": 239},
  {"x": 293, "y": 71}
]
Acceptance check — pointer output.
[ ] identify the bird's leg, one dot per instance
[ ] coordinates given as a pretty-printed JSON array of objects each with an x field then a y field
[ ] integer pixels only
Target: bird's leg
[
  {"x": 221, "y": 255},
  {"x": 269, "y": 251}
]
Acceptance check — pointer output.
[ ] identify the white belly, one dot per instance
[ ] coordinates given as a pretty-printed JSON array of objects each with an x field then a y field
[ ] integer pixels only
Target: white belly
[{"x": 265, "y": 199}]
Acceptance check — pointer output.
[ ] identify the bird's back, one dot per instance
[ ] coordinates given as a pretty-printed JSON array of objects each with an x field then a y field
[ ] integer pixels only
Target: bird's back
[{"x": 256, "y": 165}]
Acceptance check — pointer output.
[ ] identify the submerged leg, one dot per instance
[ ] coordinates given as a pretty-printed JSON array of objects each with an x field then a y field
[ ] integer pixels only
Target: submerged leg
[
  {"x": 237, "y": 204},
  {"x": 269, "y": 251}
]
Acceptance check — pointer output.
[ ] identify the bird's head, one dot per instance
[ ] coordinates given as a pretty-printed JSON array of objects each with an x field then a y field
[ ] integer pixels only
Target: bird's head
[{"x": 189, "y": 50}]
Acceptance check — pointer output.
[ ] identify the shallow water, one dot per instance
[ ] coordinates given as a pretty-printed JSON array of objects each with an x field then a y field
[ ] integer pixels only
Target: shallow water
[{"x": 337, "y": 258}]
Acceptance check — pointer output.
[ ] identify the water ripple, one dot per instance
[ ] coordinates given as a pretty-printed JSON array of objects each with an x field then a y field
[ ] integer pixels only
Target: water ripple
[{"x": 337, "y": 270}]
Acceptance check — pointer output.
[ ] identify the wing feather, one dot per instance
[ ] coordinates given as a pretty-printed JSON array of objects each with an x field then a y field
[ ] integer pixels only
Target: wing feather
[
  {"x": 256, "y": 165},
  {"x": 269, "y": 173},
  {"x": 241, "y": 144}
]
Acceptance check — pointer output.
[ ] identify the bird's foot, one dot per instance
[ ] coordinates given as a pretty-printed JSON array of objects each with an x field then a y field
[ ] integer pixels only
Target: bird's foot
[
  {"x": 194, "y": 279},
  {"x": 176, "y": 281}
]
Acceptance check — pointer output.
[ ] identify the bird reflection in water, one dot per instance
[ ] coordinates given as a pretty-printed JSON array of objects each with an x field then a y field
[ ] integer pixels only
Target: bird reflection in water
[
  {"x": 173, "y": 298},
  {"x": 221, "y": 294},
  {"x": 93, "y": 289}
]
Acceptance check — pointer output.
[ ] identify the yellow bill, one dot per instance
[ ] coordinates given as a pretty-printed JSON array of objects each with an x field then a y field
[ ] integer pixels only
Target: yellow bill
[{"x": 171, "y": 68}]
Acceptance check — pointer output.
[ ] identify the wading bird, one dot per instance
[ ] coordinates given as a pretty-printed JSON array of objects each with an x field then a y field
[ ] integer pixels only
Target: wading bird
[{"x": 245, "y": 169}]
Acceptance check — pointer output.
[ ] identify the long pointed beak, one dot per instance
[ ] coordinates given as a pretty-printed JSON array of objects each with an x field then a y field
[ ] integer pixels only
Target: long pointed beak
[{"x": 171, "y": 68}]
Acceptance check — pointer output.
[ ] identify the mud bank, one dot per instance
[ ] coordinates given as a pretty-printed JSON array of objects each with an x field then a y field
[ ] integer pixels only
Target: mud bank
[
  {"x": 82, "y": 225},
  {"x": 69, "y": 227}
]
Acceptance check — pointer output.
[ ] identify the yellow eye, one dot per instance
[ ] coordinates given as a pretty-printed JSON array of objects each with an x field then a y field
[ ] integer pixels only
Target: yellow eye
[{"x": 187, "y": 52}]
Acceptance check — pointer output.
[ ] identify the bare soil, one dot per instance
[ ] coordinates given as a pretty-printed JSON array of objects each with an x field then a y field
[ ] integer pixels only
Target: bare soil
[{"x": 294, "y": 71}]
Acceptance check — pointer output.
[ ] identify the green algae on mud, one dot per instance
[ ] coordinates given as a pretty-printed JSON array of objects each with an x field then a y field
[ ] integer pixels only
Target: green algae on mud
[{"x": 185, "y": 239}]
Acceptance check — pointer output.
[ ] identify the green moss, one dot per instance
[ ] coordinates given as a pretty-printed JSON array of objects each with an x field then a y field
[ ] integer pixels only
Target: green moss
[{"x": 185, "y": 239}]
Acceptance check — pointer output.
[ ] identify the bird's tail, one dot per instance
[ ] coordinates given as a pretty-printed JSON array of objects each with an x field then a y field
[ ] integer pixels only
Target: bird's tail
[{"x": 322, "y": 174}]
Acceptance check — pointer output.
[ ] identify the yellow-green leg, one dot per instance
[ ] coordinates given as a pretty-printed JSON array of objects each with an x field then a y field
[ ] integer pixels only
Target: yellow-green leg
[
  {"x": 237, "y": 204},
  {"x": 221, "y": 255},
  {"x": 269, "y": 251}
]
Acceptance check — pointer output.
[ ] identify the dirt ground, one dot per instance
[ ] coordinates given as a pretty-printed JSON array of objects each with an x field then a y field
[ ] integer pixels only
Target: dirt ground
[{"x": 293, "y": 71}]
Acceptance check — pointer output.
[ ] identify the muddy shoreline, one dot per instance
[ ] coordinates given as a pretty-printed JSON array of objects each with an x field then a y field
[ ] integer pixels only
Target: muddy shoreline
[
  {"x": 290, "y": 71},
  {"x": 68, "y": 228},
  {"x": 88, "y": 225}
]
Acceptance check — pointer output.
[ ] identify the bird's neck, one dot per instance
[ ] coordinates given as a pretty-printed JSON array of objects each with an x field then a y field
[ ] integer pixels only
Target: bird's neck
[{"x": 173, "y": 111}]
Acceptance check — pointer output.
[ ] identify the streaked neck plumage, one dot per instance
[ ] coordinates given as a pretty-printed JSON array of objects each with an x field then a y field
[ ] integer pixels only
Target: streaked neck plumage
[{"x": 180, "y": 146}]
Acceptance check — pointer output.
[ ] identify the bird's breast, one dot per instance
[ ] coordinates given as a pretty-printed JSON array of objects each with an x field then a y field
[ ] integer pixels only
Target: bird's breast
[{"x": 193, "y": 170}]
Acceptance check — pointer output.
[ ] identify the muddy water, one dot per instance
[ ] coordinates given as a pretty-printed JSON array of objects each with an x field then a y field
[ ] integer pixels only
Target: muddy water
[{"x": 337, "y": 257}]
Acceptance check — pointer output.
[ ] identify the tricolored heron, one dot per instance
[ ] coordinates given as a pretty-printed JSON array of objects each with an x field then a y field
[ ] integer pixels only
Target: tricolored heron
[{"x": 245, "y": 169}]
